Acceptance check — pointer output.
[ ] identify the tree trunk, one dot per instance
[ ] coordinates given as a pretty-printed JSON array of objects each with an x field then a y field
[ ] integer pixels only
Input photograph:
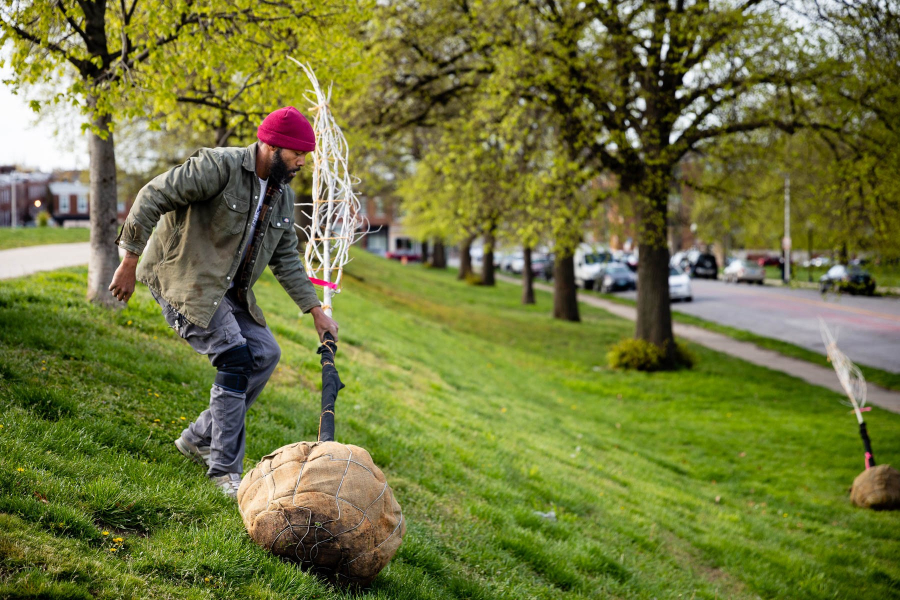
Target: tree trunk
[
  {"x": 527, "y": 277},
  {"x": 104, "y": 256},
  {"x": 439, "y": 255},
  {"x": 425, "y": 252},
  {"x": 565, "y": 295},
  {"x": 654, "y": 314},
  {"x": 465, "y": 258},
  {"x": 487, "y": 265}
]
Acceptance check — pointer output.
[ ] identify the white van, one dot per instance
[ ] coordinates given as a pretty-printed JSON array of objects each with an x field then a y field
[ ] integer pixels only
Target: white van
[{"x": 589, "y": 262}]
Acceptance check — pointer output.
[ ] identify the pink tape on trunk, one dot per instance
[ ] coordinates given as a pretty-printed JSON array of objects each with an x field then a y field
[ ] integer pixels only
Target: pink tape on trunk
[{"x": 323, "y": 283}]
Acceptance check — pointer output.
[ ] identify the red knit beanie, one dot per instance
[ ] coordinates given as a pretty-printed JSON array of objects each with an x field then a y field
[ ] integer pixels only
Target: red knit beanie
[{"x": 287, "y": 128}]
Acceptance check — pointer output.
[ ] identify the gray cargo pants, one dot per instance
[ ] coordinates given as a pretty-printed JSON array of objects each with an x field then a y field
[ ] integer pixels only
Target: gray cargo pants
[{"x": 221, "y": 426}]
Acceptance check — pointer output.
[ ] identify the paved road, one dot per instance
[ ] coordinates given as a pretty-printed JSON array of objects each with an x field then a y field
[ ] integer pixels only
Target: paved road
[
  {"x": 31, "y": 259},
  {"x": 19, "y": 262},
  {"x": 867, "y": 329}
]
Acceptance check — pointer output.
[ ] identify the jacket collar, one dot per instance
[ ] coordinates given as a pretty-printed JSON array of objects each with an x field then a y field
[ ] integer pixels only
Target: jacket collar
[{"x": 249, "y": 162}]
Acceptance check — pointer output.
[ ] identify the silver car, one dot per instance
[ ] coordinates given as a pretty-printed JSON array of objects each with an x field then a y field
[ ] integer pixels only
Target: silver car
[{"x": 744, "y": 270}]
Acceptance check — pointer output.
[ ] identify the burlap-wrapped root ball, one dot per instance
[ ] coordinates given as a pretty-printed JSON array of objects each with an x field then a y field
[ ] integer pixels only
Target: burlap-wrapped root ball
[
  {"x": 325, "y": 506},
  {"x": 878, "y": 488}
]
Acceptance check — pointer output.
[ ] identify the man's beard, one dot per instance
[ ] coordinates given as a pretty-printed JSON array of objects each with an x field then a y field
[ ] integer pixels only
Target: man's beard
[{"x": 278, "y": 171}]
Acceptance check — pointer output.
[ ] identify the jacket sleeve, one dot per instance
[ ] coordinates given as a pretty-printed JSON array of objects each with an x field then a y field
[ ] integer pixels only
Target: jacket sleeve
[
  {"x": 202, "y": 177},
  {"x": 288, "y": 269}
]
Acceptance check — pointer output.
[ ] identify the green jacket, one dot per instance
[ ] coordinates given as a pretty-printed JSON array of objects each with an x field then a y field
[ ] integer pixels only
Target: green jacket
[{"x": 202, "y": 212}]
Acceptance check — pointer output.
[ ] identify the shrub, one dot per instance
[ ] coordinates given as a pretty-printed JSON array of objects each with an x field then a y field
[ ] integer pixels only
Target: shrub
[
  {"x": 474, "y": 279},
  {"x": 43, "y": 218},
  {"x": 642, "y": 355}
]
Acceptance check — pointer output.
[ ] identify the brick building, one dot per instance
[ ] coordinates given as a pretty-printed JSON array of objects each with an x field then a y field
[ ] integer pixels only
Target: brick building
[
  {"x": 387, "y": 234},
  {"x": 63, "y": 195},
  {"x": 31, "y": 196}
]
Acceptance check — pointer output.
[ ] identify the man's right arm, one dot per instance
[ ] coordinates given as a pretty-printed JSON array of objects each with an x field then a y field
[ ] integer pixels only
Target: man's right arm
[
  {"x": 200, "y": 178},
  {"x": 122, "y": 286}
]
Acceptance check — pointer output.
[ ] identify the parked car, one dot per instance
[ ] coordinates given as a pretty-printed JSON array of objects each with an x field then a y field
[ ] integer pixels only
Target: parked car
[
  {"x": 850, "y": 279},
  {"x": 680, "y": 259},
  {"x": 690, "y": 260},
  {"x": 704, "y": 265},
  {"x": 744, "y": 270},
  {"x": 507, "y": 261},
  {"x": 542, "y": 266},
  {"x": 679, "y": 285},
  {"x": 408, "y": 255},
  {"x": 616, "y": 276},
  {"x": 589, "y": 263},
  {"x": 769, "y": 261},
  {"x": 631, "y": 260},
  {"x": 516, "y": 265}
]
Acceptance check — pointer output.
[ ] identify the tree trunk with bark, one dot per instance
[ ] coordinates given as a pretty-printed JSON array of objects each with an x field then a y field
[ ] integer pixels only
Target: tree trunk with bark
[
  {"x": 487, "y": 265},
  {"x": 439, "y": 255},
  {"x": 654, "y": 313},
  {"x": 104, "y": 256},
  {"x": 565, "y": 295},
  {"x": 425, "y": 252},
  {"x": 465, "y": 258},
  {"x": 527, "y": 277}
]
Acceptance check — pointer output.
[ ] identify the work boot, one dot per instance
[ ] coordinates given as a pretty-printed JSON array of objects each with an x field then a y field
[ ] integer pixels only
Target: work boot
[
  {"x": 228, "y": 483},
  {"x": 198, "y": 454}
]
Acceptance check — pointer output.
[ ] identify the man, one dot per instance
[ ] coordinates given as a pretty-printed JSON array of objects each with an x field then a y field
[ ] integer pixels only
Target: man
[{"x": 220, "y": 218}]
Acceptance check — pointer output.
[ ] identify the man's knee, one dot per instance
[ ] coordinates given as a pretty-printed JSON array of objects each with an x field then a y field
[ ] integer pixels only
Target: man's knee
[
  {"x": 275, "y": 355},
  {"x": 268, "y": 356},
  {"x": 234, "y": 368}
]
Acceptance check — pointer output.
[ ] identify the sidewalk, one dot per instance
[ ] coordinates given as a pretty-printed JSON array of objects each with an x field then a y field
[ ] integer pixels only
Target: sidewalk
[
  {"x": 814, "y": 374},
  {"x": 19, "y": 262}
]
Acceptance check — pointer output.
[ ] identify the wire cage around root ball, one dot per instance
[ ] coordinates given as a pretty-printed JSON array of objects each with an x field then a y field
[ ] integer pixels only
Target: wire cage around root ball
[
  {"x": 877, "y": 488},
  {"x": 325, "y": 506}
]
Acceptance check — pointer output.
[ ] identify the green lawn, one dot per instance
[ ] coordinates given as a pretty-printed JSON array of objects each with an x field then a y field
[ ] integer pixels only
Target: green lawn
[
  {"x": 728, "y": 481},
  {"x": 38, "y": 236}
]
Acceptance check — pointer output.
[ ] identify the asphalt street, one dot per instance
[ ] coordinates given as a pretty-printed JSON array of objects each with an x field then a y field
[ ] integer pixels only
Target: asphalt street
[
  {"x": 19, "y": 262},
  {"x": 867, "y": 329}
]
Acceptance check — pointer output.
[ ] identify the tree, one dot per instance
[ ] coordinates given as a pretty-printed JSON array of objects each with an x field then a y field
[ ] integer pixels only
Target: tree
[
  {"x": 643, "y": 83},
  {"x": 858, "y": 97}
]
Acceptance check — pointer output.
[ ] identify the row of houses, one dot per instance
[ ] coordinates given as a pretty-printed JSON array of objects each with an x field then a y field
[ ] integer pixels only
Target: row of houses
[{"x": 24, "y": 195}]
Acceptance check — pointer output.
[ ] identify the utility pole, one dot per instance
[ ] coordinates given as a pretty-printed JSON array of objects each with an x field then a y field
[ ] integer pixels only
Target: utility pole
[
  {"x": 786, "y": 242},
  {"x": 12, "y": 178}
]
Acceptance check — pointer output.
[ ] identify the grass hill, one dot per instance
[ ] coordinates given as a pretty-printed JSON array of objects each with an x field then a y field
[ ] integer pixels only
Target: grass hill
[{"x": 727, "y": 481}]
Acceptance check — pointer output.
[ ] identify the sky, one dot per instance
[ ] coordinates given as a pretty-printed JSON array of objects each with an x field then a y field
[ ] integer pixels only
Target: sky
[{"x": 33, "y": 141}]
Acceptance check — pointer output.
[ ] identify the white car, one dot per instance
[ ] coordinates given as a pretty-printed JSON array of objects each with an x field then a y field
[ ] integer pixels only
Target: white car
[
  {"x": 744, "y": 270},
  {"x": 589, "y": 263},
  {"x": 679, "y": 285},
  {"x": 517, "y": 264},
  {"x": 506, "y": 263}
]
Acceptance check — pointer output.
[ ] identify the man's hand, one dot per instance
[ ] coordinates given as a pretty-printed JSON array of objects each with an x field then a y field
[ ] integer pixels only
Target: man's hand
[
  {"x": 122, "y": 286},
  {"x": 324, "y": 323}
]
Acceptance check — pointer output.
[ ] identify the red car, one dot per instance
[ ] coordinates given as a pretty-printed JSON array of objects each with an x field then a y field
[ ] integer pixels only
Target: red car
[
  {"x": 409, "y": 255},
  {"x": 769, "y": 261}
]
